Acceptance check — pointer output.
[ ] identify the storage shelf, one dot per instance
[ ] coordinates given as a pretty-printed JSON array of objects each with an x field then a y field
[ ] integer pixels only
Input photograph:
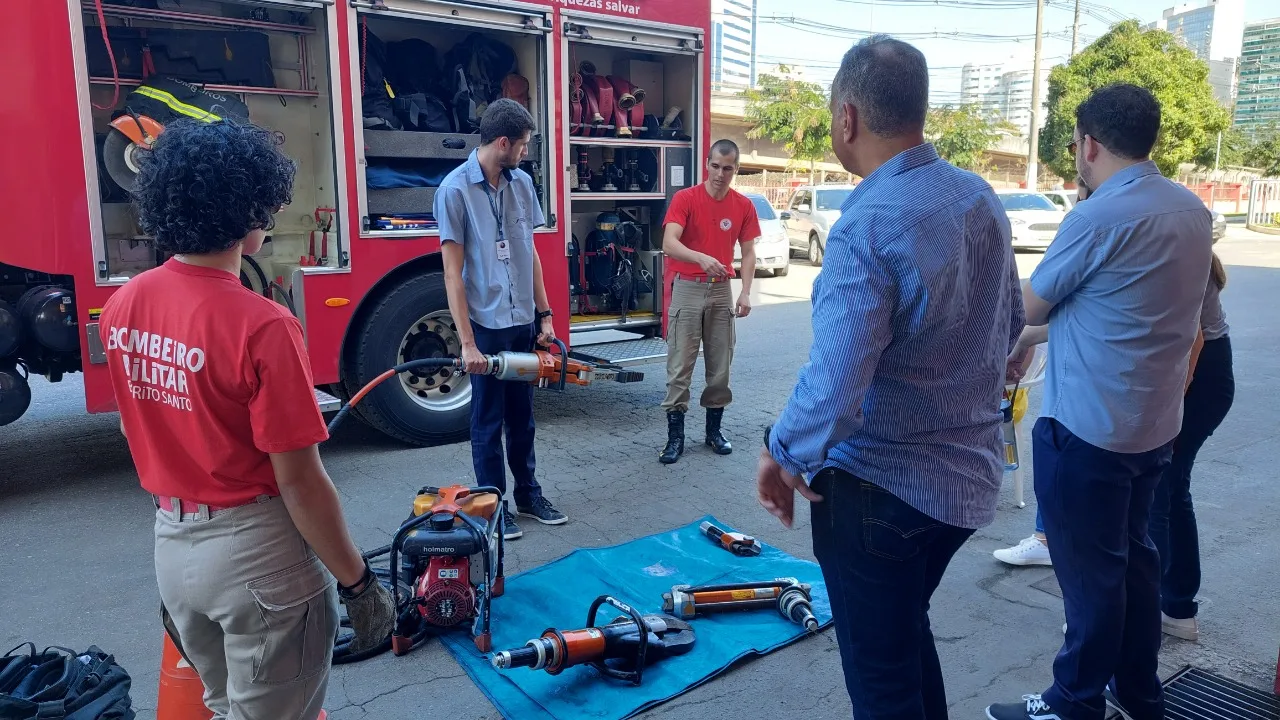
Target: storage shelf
[
  {"x": 187, "y": 18},
  {"x": 241, "y": 89},
  {"x": 616, "y": 196},
  {"x": 627, "y": 142}
]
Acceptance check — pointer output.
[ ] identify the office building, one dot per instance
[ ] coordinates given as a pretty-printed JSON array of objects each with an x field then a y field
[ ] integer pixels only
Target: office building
[
  {"x": 1212, "y": 29},
  {"x": 977, "y": 80},
  {"x": 733, "y": 44},
  {"x": 1258, "y": 101},
  {"x": 1004, "y": 90}
]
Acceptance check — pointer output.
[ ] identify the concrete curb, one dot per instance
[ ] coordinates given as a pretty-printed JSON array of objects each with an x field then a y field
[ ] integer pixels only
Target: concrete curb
[{"x": 1263, "y": 229}]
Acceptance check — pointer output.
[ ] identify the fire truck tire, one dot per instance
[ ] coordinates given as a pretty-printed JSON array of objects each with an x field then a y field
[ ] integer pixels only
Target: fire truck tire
[{"x": 394, "y": 331}]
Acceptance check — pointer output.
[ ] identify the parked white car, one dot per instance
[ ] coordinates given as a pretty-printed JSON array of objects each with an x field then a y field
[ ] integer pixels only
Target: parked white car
[
  {"x": 1033, "y": 218},
  {"x": 1065, "y": 199},
  {"x": 773, "y": 254},
  {"x": 812, "y": 211}
]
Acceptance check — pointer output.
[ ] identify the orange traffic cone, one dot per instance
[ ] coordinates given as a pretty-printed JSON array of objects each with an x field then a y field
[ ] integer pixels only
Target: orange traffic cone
[{"x": 181, "y": 692}]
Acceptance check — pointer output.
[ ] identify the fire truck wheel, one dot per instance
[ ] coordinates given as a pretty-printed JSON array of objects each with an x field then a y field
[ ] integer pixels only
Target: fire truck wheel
[{"x": 409, "y": 322}]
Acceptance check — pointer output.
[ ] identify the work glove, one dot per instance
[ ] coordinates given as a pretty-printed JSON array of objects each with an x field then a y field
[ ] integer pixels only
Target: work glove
[{"x": 372, "y": 612}]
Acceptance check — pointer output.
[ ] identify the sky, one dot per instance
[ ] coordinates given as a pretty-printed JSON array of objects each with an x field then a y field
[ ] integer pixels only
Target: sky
[{"x": 992, "y": 31}]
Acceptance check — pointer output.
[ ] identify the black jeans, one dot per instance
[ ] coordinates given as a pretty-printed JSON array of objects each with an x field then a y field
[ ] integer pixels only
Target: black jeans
[
  {"x": 496, "y": 404},
  {"x": 1173, "y": 518},
  {"x": 1096, "y": 505},
  {"x": 881, "y": 560}
]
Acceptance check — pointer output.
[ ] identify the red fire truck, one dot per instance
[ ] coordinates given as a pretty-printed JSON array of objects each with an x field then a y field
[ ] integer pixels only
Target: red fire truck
[{"x": 619, "y": 88}]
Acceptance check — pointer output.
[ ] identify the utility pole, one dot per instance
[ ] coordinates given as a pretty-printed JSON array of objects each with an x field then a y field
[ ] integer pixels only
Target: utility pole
[
  {"x": 1075, "y": 30},
  {"x": 1033, "y": 169}
]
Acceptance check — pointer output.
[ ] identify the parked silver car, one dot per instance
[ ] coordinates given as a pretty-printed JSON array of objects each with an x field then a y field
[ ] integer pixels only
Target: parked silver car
[
  {"x": 772, "y": 253},
  {"x": 812, "y": 211}
]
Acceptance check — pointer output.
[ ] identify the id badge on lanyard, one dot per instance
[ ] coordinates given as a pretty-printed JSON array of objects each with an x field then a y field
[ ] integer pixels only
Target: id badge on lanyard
[{"x": 504, "y": 250}]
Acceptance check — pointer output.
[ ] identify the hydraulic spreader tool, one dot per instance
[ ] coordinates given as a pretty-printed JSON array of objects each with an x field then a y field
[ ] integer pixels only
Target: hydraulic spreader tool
[
  {"x": 736, "y": 543},
  {"x": 791, "y": 597},
  {"x": 540, "y": 367},
  {"x": 621, "y": 649}
]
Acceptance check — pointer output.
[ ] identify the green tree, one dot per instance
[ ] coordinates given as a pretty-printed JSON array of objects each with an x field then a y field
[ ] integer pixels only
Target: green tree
[
  {"x": 791, "y": 112},
  {"x": 1190, "y": 116},
  {"x": 1234, "y": 146},
  {"x": 963, "y": 135},
  {"x": 1264, "y": 152}
]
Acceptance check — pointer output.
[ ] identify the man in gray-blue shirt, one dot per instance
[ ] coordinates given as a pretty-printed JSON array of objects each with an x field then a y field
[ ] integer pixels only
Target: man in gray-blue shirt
[
  {"x": 487, "y": 209},
  {"x": 1120, "y": 289}
]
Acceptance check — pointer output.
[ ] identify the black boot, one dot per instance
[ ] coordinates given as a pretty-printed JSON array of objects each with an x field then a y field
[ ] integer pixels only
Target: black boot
[
  {"x": 675, "y": 438},
  {"x": 715, "y": 439}
]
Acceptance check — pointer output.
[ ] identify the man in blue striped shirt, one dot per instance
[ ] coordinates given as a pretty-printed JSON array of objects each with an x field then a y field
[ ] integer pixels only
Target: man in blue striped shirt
[{"x": 895, "y": 420}]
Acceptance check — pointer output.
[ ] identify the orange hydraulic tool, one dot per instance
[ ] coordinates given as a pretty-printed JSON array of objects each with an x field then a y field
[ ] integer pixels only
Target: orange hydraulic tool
[
  {"x": 539, "y": 367},
  {"x": 545, "y": 369},
  {"x": 790, "y": 596},
  {"x": 618, "y": 650},
  {"x": 736, "y": 543}
]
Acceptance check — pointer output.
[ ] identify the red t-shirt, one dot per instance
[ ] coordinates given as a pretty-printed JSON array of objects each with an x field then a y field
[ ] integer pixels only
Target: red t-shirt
[
  {"x": 711, "y": 226},
  {"x": 210, "y": 377}
]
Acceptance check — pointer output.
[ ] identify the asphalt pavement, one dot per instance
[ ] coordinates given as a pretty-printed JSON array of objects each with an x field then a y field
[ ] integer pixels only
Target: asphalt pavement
[{"x": 77, "y": 568}]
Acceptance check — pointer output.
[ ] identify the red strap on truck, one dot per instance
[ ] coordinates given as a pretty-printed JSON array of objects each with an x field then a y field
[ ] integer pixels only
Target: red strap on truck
[{"x": 575, "y": 104}]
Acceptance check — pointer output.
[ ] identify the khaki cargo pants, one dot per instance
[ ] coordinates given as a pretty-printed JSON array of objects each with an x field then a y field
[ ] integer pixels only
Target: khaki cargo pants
[
  {"x": 254, "y": 609},
  {"x": 701, "y": 314}
]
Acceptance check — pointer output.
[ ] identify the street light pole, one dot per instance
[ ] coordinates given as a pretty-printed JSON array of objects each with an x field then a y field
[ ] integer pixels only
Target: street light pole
[
  {"x": 1075, "y": 29},
  {"x": 1033, "y": 170}
]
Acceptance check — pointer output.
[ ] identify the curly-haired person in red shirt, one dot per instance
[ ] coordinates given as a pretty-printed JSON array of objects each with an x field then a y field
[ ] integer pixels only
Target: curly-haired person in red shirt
[{"x": 217, "y": 403}]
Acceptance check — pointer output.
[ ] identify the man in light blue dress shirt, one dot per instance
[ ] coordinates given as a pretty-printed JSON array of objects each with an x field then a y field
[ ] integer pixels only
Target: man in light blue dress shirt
[
  {"x": 895, "y": 419},
  {"x": 487, "y": 209},
  {"x": 1120, "y": 288}
]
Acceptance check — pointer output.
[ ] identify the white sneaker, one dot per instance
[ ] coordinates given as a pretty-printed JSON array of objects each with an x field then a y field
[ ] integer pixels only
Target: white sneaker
[
  {"x": 1028, "y": 552},
  {"x": 1187, "y": 629}
]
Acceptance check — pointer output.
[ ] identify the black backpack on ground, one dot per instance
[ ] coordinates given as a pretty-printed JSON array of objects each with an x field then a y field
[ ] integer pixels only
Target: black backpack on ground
[{"x": 60, "y": 683}]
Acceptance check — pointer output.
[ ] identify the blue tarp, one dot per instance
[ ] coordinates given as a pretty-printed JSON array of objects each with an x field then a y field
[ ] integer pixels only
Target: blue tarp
[{"x": 559, "y": 594}]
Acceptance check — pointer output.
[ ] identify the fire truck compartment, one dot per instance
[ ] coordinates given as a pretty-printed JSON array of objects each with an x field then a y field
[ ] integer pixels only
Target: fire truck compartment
[
  {"x": 427, "y": 73},
  {"x": 272, "y": 55},
  {"x": 632, "y": 108}
]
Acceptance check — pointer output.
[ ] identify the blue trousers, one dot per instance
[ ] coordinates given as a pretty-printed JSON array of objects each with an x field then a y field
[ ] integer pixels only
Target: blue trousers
[
  {"x": 1173, "y": 517},
  {"x": 882, "y": 560},
  {"x": 498, "y": 404},
  {"x": 1096, "y": 506}
]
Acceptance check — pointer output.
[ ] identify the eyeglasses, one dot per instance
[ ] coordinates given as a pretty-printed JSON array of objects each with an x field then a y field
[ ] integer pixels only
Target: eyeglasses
[{"x": 1071, "y": 148}]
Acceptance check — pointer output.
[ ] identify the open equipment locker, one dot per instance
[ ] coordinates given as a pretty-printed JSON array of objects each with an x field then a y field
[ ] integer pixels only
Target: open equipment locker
[
  {"x": 291, "y": 96},
  {"x": 667, "y": 63}
]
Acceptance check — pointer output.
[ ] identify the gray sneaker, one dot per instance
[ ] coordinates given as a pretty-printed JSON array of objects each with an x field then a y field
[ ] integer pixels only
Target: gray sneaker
[
  {"x": 542, "y": 511},
  {"x": 512, "y": 530}
]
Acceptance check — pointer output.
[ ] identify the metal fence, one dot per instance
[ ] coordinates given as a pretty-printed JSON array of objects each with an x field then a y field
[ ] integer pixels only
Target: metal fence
[
  {"x": 779, "y": 186},
  {"x": 1264, "y": 204}
]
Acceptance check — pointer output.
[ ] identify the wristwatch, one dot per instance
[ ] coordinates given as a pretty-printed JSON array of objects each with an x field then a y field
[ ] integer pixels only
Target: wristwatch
[
  {"x": 543, "y": 314},
  {"x": 347, "y": 593}
]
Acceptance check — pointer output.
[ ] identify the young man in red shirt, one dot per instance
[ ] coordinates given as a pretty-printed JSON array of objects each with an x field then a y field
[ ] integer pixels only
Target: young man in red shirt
[
  {"x": 217, "y": 403},
  {"x": 702, "y": 224}
]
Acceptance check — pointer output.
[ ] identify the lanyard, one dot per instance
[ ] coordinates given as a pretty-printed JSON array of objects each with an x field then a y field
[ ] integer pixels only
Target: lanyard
[{"x": 496, "y": 207}]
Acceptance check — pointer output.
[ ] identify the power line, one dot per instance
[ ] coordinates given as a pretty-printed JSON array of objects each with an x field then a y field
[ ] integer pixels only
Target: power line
[{"x": 820, "y": 28}]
